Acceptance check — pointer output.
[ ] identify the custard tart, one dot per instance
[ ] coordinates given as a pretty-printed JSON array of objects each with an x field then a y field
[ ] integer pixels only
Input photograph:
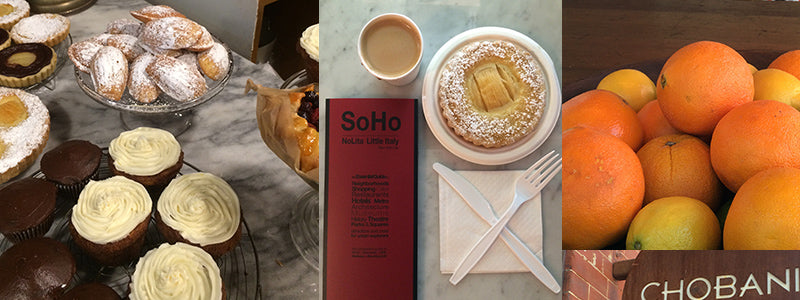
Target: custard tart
[
  {"x": 24, "y": 65},
  {"x": 492, "y": 93},
  {"x": 11, "y": 11},
  {"x": 49, "y": 29}
]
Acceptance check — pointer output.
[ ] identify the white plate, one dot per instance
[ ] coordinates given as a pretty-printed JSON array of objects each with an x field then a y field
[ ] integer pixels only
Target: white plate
[{"x": 478, "y": 154}]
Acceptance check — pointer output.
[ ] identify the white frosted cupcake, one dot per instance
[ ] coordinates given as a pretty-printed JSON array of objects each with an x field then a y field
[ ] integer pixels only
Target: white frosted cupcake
[
  {"x": 110, "y": 219},
  {"x": 308, "y": 47},
  {"x": 176, "y": 271},
  {"x": 150, "y": 156},
  {"x": 200, "y": 209}
]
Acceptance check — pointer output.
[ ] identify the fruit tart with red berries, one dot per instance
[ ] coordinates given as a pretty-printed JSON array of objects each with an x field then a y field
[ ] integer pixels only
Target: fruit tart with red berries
[{"x": 288, "y": 120}]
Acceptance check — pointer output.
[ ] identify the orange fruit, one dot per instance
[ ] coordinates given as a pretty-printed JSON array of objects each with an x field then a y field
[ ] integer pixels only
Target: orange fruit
[
  {"x": 700, "y": 83},
  {"x": 754, "y": 137},
  {"x": 631, "y": 85},
  {"x": 674, "y": 223},
  {"x": 763, "y": 214},
  {"x": 603, "y": 111},
  {"x": 654, "y": 124},
  {"x": 778, "y": 85},
  {"x": 603, "y": 187},
  {"x": 788, "y": 62},
  {"x": 679, "y": 165}
]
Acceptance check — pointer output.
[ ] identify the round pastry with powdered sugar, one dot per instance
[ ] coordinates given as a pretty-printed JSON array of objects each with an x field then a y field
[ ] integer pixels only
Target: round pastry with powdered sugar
[
  {"x": 492, "y": 93},
  {"x": 24, "y": 130},
  {"x": 48, "y": 29},
  {"x": 12, "y": 11}
]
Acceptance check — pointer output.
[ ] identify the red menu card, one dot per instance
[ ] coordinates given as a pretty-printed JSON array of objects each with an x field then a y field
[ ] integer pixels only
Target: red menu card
[{"x": 370, "y": 204}]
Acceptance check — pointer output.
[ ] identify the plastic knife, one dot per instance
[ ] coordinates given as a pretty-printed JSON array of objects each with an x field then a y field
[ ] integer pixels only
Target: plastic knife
[{"x": 484, "y": 209}]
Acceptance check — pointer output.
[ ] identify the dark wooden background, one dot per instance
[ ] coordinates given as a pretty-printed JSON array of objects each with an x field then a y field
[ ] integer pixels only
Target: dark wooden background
[{"x": 600, "y": 36}]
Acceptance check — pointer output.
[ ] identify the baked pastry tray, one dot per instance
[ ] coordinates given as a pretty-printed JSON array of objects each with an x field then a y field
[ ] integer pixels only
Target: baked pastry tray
[
  {"x": 164, "y": 103},
  {"x": 239, "y": 267}
]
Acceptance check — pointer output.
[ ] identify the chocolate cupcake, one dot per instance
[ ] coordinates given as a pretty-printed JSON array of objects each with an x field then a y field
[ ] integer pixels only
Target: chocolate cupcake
[
  {"x": 189, "y": 268},
  {"x": 308, "y": 47},
  {"x": 150, "y": 156},
  {"x": 39, "y": 268},
  {"x": 200, "y": 209},
  {"x": 110, "y": 220},
  {"x": 71, "y": 165},
  {"x": 26, "y": 209},
  {"x": 94, "y": 291}
]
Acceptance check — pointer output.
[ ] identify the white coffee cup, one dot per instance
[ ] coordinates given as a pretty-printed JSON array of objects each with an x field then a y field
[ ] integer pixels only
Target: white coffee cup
[{"x": 390, "y": 48}]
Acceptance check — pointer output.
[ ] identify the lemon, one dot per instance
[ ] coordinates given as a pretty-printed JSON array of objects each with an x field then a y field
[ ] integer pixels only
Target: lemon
[
  {"x": 631, "y": 85},
  {"x": 674, "y": 223},
  {"x": 778, "y": 85}
]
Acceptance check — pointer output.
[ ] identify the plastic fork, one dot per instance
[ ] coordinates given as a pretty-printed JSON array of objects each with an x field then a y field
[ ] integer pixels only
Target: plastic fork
[{"x": 528, "y": 185}]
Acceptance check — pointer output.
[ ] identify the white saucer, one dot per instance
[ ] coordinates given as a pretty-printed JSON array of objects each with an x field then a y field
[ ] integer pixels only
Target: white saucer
[{"x": 478, "y": 154}]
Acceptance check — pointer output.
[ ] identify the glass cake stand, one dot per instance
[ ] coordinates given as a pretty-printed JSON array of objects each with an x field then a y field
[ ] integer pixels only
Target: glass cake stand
[
  {"x": 304, "y": 221},
  {"x": 165, "y": 112}
]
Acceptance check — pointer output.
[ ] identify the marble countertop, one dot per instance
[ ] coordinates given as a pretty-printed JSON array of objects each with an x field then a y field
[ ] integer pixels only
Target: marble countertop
[
  {"x": 439, "y": 20},
  {"x": 223, "y": 139}
]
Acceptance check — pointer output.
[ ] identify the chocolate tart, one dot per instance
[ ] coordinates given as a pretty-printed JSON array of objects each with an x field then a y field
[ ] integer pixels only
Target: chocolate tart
[
  {"x": 71, "y": 165},
  {"x": 5, "y": 39},
  {"x": 39, "y": 268},
  {"x": 26, "y": 209},
  {"x": 24, "y": 65}
]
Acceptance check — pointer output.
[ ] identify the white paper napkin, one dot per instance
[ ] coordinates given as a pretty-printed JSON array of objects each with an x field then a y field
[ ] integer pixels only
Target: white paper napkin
[{"x": 460, "y": 227}]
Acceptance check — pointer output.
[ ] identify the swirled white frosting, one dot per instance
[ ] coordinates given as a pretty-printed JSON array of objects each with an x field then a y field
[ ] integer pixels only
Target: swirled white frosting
[
  {"x": 310, "y": 41},
  {"x": 144, "y": 151},
  {"x": 202, "y": 207},
  {"x": 108, "y": 210},
  {"x": 178, "y": 271}
]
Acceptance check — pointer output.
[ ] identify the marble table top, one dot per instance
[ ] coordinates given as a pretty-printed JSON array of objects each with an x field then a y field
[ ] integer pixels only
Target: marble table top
[
  {"x": 342, "y": 76},
  {"x": 223, "y": 139}
]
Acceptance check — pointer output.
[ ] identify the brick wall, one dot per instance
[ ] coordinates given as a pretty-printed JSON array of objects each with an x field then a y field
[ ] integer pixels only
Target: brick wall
[{"x": 587, "y": 274}]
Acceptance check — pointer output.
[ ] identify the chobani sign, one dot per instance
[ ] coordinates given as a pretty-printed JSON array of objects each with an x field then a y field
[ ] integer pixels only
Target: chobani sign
[{"x": 693, "y": 275}]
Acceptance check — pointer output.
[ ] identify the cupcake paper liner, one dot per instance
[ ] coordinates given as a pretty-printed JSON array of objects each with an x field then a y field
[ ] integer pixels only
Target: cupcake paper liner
[
  {"x": 74, "y": 190},
  {"x": 33, "y": 232}
]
